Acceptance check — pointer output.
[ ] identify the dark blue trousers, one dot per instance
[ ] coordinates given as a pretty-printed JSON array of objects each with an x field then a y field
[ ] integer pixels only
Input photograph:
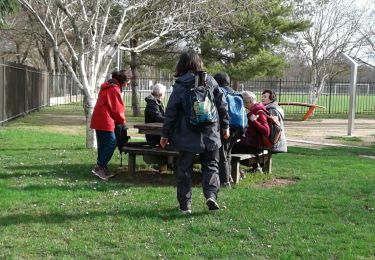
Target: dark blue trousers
[{"x": 106, "y": 146}]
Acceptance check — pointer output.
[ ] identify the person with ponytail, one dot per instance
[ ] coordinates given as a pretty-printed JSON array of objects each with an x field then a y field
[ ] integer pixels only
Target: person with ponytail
[{"x": 108, "y": 112}]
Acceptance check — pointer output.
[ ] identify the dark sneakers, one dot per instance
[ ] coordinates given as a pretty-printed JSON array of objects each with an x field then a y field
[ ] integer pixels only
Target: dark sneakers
[
  {"x": 185, "y": 208},
  {"x": 108, "y": 173},
  {"x": 212, "y": 204},
  {"x": 186, "y": 211},
  {"x": 99, "y": 172}
]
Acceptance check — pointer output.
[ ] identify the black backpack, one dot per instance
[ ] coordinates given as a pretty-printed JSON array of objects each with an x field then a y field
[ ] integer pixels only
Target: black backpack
[
  {"x": 122, "y": 138},
  {"x": 200, "y": 105}
]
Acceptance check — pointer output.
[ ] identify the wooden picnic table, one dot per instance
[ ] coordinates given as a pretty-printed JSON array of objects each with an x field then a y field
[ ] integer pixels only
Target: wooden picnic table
[
  {"x": 156, "y": 129},
  {"x": 149, "y": 128}
]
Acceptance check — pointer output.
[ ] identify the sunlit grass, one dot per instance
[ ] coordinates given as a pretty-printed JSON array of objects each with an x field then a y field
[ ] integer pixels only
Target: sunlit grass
[{"x": 52, "y": 207}]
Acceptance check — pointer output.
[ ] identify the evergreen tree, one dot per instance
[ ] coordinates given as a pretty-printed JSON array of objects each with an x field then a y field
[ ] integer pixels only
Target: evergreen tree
[
  {"x": 245, "y": 42},
  {"x": 6, "y": 7}
]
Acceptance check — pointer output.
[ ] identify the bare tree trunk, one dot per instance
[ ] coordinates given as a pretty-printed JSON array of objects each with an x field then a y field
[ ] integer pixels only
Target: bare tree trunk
[
  {"x": 89, "y": 104},
  {"x": 235, "y": 85},
  {"x": 133, "y": 67}
]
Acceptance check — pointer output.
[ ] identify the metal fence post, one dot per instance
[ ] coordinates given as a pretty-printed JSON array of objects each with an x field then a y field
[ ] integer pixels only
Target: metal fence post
[
  {"x": 64, "y": 87},
  {"x": 330, "y": 96},
  {"x": 280, "y": 89},
  {"x": 25, "y": 105},
  {"x": 3, "y": 92}
]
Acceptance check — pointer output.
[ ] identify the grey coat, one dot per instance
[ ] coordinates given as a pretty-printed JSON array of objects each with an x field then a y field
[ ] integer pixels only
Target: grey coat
[
  {"x": 182, "y": 138},
  {"x": 276, "y": 110}
]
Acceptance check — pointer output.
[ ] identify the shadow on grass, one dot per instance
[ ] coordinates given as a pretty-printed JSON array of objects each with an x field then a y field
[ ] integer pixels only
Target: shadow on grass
[
  {"x": 78, "y": 174},
  {"x": 45, "y": 149},
  {"x": 135, "y": 213}
]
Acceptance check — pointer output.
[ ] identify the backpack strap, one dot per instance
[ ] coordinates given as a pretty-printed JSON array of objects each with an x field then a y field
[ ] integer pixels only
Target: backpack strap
[
  {"x": 266, "y": 113},
  {"x": 277, "y": 112},
  {"x": 225, "y": 92}
]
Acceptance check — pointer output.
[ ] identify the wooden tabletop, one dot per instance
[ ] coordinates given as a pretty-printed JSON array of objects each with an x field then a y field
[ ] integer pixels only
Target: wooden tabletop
[{"x": 149, "y": 128}]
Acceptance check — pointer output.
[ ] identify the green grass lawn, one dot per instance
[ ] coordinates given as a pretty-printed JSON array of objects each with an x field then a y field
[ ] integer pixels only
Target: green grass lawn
[
  {"x": 334, "y": 105},
  {"x": 52, "y": 207}
]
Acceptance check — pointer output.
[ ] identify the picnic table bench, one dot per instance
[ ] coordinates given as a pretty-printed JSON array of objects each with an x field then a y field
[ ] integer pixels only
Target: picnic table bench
[
  {"x": 248, "y": 159},
  {"x": 143, "y": 149},
  {"x": 309, "y": 111},
  {"x": 134, "y": 149}
]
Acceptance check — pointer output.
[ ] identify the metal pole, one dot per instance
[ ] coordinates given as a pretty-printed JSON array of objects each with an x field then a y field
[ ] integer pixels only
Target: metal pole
[
  {"x": 118, "y": 58},
  {"x": 3, "y": 118},
  {"x": 26, "y": 105},
  {"x": 353, "y": 85}
]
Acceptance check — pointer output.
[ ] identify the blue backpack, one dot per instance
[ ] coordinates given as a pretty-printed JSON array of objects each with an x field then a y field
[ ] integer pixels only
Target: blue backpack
[{"x": 236, "y": 110}]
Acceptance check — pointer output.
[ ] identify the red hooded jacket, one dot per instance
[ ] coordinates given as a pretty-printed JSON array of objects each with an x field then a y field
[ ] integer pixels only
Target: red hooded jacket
[
  {"x": 109, "y": 108},
  {"x": 257, "y": 128}
]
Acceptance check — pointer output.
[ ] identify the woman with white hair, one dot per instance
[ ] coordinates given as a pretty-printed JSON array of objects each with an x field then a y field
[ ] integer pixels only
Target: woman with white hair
[
  {"x": 154, "y": 111},
  {"x": 256, "y": 128}
]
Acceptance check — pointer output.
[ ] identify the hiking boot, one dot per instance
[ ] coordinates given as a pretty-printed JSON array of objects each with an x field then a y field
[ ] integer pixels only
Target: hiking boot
[
  {"x": 99, "y": 172},
  {"x": 212, "y": 204}
]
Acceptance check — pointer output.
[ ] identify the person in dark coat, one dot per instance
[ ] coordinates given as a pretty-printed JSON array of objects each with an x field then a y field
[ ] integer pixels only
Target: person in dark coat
[
  {"x": 257, "y": 127},
  {"x": 108, "y": 111},
  {"x": 269, "y": 101},
  {"x": 154, "y": 111},
  {"x": 188, "y": 142},
  {"x": 225, "y": 150}
]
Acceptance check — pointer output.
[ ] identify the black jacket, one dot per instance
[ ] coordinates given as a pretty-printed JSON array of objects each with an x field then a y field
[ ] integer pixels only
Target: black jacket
[{"x": 154, "y": 113}]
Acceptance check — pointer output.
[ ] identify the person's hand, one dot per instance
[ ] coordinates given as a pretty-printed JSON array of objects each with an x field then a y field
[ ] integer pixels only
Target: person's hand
[
  {"x": 226, "y": 134},
  {"x": 253, "y": 117},
  {"x": 163, "y": 142}
]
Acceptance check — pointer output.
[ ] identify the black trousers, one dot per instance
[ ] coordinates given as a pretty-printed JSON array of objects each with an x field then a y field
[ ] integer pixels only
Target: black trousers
[
  {"x": 210, "y": 178},
  {"x": 225, "y": 152}
]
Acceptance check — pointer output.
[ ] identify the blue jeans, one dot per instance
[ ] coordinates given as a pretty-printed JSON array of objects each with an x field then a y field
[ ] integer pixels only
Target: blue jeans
[{"x": 106, "y": 146}]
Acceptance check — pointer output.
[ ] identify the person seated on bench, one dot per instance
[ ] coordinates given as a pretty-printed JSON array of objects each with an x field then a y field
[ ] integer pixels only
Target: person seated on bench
[
  {"x": 154, "y": 111},
  {"x": 269, "y": 101},
  {"x": 257, "y": 126}
]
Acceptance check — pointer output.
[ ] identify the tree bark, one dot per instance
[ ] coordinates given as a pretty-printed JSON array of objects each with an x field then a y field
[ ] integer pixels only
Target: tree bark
[
  {"x": 133, "y": 67},
  {"x": 89, "y": 104}
]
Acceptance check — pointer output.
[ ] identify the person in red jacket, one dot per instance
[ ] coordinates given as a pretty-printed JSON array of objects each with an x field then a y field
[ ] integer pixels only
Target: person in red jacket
[
  {"x": 108, "y": 112},
  {"x": 257, "y": 127}
]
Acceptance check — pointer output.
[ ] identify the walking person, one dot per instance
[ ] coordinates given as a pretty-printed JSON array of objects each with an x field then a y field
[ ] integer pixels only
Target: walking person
[
  {"x": 225, "y": 150},
  {"x": 108, "y": 112},
  {"x": 269, "y": 101},
  {"x": 190, "y": 142}
]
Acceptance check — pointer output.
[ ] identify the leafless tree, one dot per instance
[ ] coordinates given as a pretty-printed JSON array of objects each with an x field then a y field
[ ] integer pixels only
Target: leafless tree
[
  {"x": 92, "y": 31},
  {"x": 367, "y": 54},
  {"x": 334, "y": 29}
]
